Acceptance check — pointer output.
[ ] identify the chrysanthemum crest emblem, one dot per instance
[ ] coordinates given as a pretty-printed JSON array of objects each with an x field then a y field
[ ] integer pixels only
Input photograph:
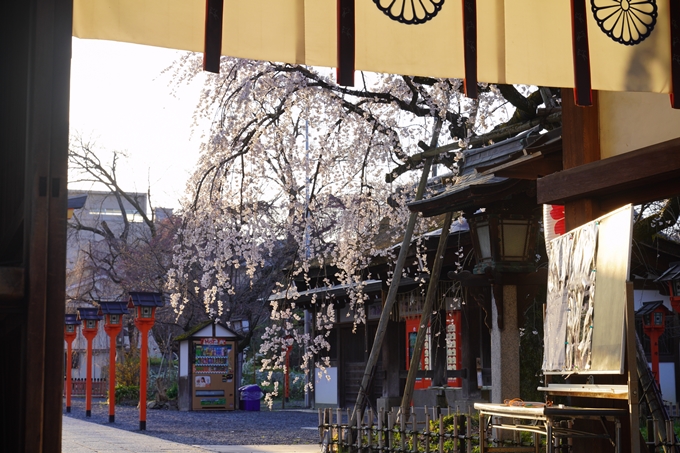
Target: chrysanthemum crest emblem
[
  {"x": 410, "y": 12},
  {"x": 627, "y": 22}
]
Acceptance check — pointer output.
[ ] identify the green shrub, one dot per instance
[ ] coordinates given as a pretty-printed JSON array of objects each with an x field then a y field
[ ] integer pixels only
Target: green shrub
[
  {"x": 127, "y": 370},
  {"x": 173, "y": 391},
  {"x": 127, "y": 394},
  {"x": 449, "y": 429}
]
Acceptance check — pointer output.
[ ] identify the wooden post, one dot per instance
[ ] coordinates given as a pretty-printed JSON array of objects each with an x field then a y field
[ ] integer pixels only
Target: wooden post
[
  {"x": 38, "y": 90},
  {"x": 392, "y": 293},
  {"x": 402, "y": 432},
  {"x": 427, "y": 433},
  {"x": 381, "y": 437},
  {"x": 425, "y": 316},
  {"x": 581, "y": 145},
  {"x": 456, "y": 441},
  {"x": 468, "y": 437},
  {"x": 441, "y": 433},
  {"x": 370, "y": 429}
]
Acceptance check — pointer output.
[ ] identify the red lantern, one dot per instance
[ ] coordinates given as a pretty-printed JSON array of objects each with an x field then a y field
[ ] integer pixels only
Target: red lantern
[
  {"x": 672, "y": 278},
  {"x": 654, "y": 323}
]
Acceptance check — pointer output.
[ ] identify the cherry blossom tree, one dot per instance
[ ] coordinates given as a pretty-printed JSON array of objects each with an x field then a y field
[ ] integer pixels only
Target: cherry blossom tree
[{"x": 293, "y": 158}]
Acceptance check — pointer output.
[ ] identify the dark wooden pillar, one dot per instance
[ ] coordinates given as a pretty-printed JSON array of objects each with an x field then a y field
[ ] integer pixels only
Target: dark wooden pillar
[
  {"x": 472, "y": 328},
  {"x": 391, "y": 361},
  {"x": 438, "y": 354},
  {"x": 35, "y": 49},
  {"x": 580, "y": 145}
]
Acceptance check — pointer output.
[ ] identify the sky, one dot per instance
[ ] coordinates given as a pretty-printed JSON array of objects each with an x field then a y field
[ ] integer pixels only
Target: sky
[{"x": 121, "y": 101}]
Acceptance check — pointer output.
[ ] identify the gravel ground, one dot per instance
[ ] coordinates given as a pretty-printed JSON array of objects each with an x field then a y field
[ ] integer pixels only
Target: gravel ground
[{"x": 276, "y": 427}]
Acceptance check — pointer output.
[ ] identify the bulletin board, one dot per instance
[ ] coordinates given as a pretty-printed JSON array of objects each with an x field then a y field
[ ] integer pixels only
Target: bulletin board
[{"x": 586, "y": 302}]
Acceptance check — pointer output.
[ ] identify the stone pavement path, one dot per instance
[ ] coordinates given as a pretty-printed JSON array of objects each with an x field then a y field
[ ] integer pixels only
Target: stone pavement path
[{"x": 84, "y": 437}]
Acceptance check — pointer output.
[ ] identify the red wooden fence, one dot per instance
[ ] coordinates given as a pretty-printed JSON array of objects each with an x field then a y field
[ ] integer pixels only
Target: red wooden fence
[{"x": 99, "y": 387}]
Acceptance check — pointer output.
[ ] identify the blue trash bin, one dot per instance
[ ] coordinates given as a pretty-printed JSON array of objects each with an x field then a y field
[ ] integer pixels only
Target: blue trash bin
[{"x": 250, "y": 396}]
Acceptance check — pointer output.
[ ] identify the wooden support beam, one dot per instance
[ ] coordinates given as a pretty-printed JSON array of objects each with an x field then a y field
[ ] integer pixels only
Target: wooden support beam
[
  {"x": 631, "y": 369},
  {"x": 580, "y": 131},
  {"x": 580, "y": 146},
  {"x": 647, "y": 174},
  {"x": 392, "y": 293},
  {"x": 432, "y": 288}
]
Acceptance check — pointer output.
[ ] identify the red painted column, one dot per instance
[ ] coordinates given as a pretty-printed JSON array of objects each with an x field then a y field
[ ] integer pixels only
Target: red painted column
[
  {"x": 143, "y": 325},
  {"x": 654, "y": 350},
  {"x": 89, "y": 335},
  {"x": 112, "y": 331},
  {"x": 69, "y": 347}
]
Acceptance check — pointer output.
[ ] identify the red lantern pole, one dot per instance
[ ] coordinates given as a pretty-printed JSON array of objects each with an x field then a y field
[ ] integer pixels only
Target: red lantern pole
[
  {"x": 69, "y": 365},
  {"x": 69, "y": 336},
  {"x": 144, "y": 305},
  {"x": 143, "y": 325},
  {"x": 89, "y": 335},
  {"x": 91, "y": 321},
  {"x": 112, "y": 331},
  {"x": 654, "y": 341},
  {"x": 654, "y": 324}
]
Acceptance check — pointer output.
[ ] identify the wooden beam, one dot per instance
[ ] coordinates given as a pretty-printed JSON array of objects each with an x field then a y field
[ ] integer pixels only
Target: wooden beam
[
  {"x": 531, "y": 166},
  {"x": 580, "y": 146},
  {"x": 580, "y": 131},
  {"x": 646, "y": 173}
]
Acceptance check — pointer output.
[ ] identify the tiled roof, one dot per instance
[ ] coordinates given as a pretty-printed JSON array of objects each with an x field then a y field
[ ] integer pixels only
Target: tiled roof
[
  {"x": 113, "y": 307},
  {"x": 672, "y": 273},
  {"x": 88, "y": 313},
  {"x": 71, "y": 319},
  {"x": 648, "y": 307},
  {"x": 146, "y": 299},
  {"x": 77, "y": 202}
]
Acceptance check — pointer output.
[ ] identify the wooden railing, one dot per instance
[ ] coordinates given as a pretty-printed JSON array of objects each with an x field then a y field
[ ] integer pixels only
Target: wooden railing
[{"x": 99, "y": 387}]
